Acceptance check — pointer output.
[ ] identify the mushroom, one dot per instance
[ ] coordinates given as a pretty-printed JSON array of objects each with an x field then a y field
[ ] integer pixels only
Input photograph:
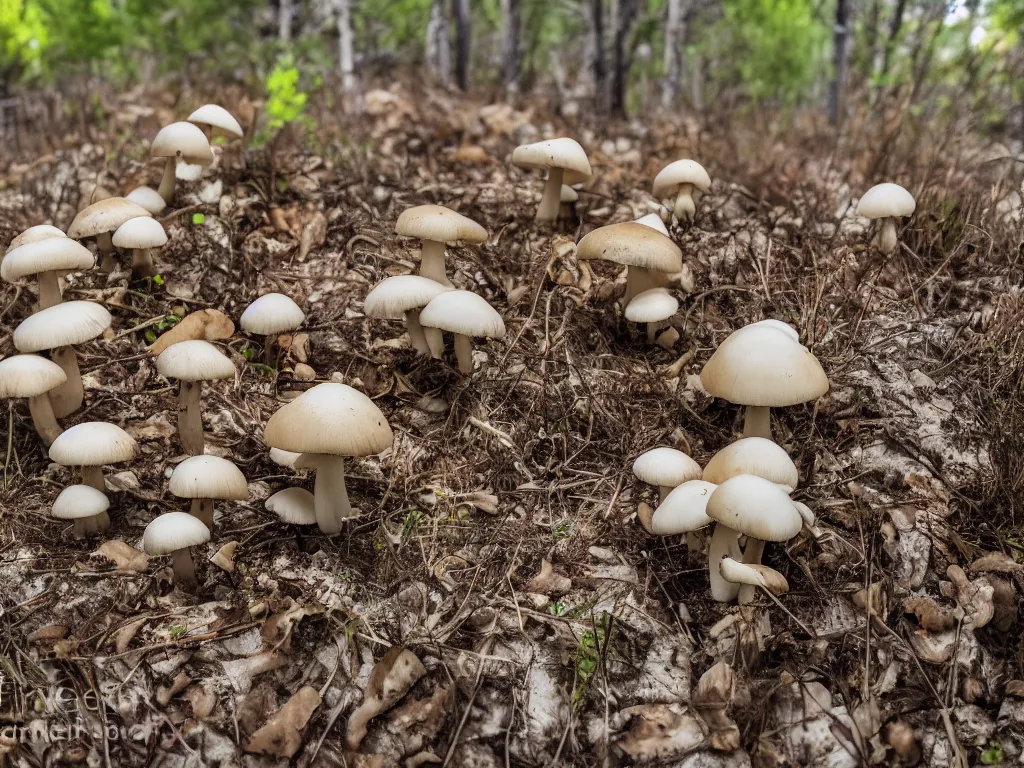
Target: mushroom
[
  {"x": 403, "y": 297},
  {"x": 213, "y": 118},
  {"x": 46, "y": 259},
  {"x": 749, "y": 575},
  {"x": 887, "y": 202},
  {"x": 762, "y": 367},
  {"x": 466, "y": 315},
  {"x": 101, "y": 220},
  {"x": 91, "y": 445},
  {"x": 33, "y": 377},
  {"x": 648, "y": 255},
  {"x": 179, "y": 142},
  {"x": 296, "y": 507},
  {"x": 326, "y": 424},
  {"x": 748, "y": 505},
  {"x": 435, "y": 226},
  {"x": 140, "y": 235},
  {"x": 148, "y": 198},
  {"x": 679, "y": 179},
  {"x": 653, "y": 306},
  {"x": 172, "y": 533},
  {"x": 284, "y": 458},
  {"x": 778, "y": 325},
  {"x": 192, "y": 363},
  {"x": 270, "y": 315},
  {"x": 753, "y": 456},
  {"x": 567, "y": 202},
  {"x": 86, "y": 506},
  {"x": 566, "y": 163},
  {"x": 34, "y": 235},
  {"x": 653, "y": 221},
  {"x": 683, "y": 510},
  {"x": 57, "y": 329},
  {"x": 666, "y": 468},
  {"x": 205, "y": 478}
]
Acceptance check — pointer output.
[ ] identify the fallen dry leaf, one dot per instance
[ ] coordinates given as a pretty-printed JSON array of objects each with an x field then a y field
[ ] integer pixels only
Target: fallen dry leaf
[
  {"x": 124, "y": 556},
  {"x": 658, "y": 732},
  {"x": 390, "y": 680},
  {"x": 206, "y": 324},
  {"x": 314, "y": 233},
  {"x": 549, "y": 581},
  {"x": 282, "y": 734},
  {"x": 712, "y": 699},
  {"x": 930, "y": 615}
]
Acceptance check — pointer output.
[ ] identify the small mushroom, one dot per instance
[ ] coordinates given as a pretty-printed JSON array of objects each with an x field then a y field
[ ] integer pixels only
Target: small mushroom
[
  {"x": 466, "y": 315},
  {"x": 680, "y": 179},
  {"x": 648, "y": 255},
  {"x": 212, "y": 118},
  {"x": 653, "y": 306},
  {"x": 86, "y": 506},
  {"x": 566, "y": 163},
  {"x": 33, "y": 377},
  {"x": 435, "y": 226},
  {"x": 179, "y": 142},
  {"x": 34, "y": 235},
  {"x": 666, "y": 468},
  {"x": 404, "y": 297},
  {"x": 296, "y": 507},
  {"x": 192, "y": 363},
  {"x": 172, "y": 533},
  {"x": 47, "y": 260},
  {"x": 140, "y": 235},
  {"x": 270, "y": 315},
  {"x": 284, "y": 458},
  {"x": 148, "y": 198},
  {"x": 750, "y": 575},
  {"x": 753, "y": 456},
  {"x": 91, "y": 445},
  {"x": 204, "y": 479},
  {"x": 101, "y": 220},
  {"x": 653, "y": 221},
  {"x": 684, "y": 510},
  {"x": 887, "y": 202}
]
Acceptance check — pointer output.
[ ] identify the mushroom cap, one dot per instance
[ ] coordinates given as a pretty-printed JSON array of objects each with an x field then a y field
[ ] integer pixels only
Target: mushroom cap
[
  {"x": 272, "y": 313},
  {"x": 194, "y": 360},
  {"x": 51, "y": 255},
  {"x": 78, "y": 501},
  {"x": 568, "y": 194},
  {"x": 93, "y": 444},
  {"x": 651, "y": 306},
  {"x": 755, "y": 506},
  {"x": 208, "y": 477},
  {"x": 684, "y": 509},
  {"x": 753, "y": 456},
  {"x": 778, "y": 325},
  {"x": 632, "y": 244},
  {"x": 666, "y": 466},
  {"x": 172, "y": 531},
  {"x": 148, "y": 198},
  {"x": 806, "y": 513},
  {"x": 762, "y": 365},
  {"x": 886, "y": 200},
  {"x": 183, "y": 141},
  {"x": 294, "y": 506},
  {"x": 284, "y": 458},
  {"x": 332, "y": 419},
  {"x": 755, "y": 575},
  {"x": 463, "y": 312},
  {"x": 562, "y": 153},
  {"x": 105, "y": 216},
  {"x": 680, "y": 172},
  {"x": 140, "y": 232},
  {"x": 392, "y": 297},
  {"x": 29, "y": 376},
  {"x": 72, "y": 322},
  {"x": 440, "y": 224},
  {"x": 653, "y": 221},
  {"x": 34, "y": 235},
  {"x": 216, "y": 117}
]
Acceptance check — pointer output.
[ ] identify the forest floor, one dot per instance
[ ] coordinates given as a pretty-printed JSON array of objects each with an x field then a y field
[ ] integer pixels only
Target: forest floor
[{"x": 898, "y": 642}]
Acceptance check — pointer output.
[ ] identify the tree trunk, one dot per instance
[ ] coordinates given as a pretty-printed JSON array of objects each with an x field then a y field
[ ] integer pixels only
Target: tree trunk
[
  {"x": 462, "y": 42},
  {"x": 510, "y": 45},
  {"x": 284, "y": 21},
  {"x": 840, "y": 34},
  {"x": 598, "y": 64},
  {"x": 673, "y": 67},
  {"x": 346, "y": 55},
  {"x": 438, "y": 52},
  {"x": 895, "y": 24},
  {"x": 625, "y": 12}
]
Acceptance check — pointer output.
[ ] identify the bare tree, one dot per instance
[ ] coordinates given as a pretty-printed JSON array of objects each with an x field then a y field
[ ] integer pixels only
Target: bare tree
[
  {"x": 840, "y": 34},
  {"x": 895, "y": 25},
  {"x": 510, "y": 45},
  {"x": 462, "y": 42},
  {"x": 597, "y": 64},
  {"x": 673, "y": 64},
  {"x": 285, "y": 11},
  {"x": 346, "y": 54},
  {"x": 438, "y": 45},
  {"x": 625, "y": 13}
]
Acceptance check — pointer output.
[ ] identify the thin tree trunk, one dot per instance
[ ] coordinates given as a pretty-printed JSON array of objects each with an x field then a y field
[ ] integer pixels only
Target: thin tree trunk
[
  {"x": 462, "y": 42},
  {"x": 346, "y": 55},
  {"x": 673, "y": 62},
  {"x": 510, "y": 45},
  {"x": 840, "y": 34},
  {"x": 625, "y": 12},
  {"x": 598, "y": 64},
  {"x": 870, "y": 54},
  {"x": 438, "y": 51},
  {"x": 284, "y": 21},
  {"x": 895, "y": 25}
]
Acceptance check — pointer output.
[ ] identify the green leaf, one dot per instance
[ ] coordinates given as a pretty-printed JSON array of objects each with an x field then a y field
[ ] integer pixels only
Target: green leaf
[
  {"x": 158, "y": 279},
  {"x": 198, "y": 219},
  {"x": 150, "y": 335},
  {"x": 992, "y": 755}
]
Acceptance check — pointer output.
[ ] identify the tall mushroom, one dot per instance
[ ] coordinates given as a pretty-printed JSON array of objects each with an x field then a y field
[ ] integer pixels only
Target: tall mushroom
[
  {"x": 192, "y": 363},
  {"x": 86, "y": 506},
  {"x": 172, "y": 533},
  {"x": 101, "y": 220},
  {"x": 653, "y": 306},
  {"x": 58, "y": 329},
  {"x": 403, "y": 297},
  {"x": 684, "y": 510},
  {"x": 326, "y": 424},
  {"x": 435, "y": 226},
  {"x": 179, "y": 142},
  {"x": 204, "y": 479},
  {"x": 648, "y": 255},
  {"x": 753, "y": 456},
  {"x": 666, "y": 468},
  {"x": 762, "y": 367},
  {"x": 295, "y": 507},
  {"x": 212, "y": 119},
  {"x": 467, "y": 316},
  {"x": 33, "y": 377},
  {"x": 887, "y": 202},
  {"x": 47, "y": 260},
  {"x": 141, "y": 235},
  {"x": 566, "y": 163},
  {"x": 679, "y": 179},
  {"x": 91, "y": 445},
  {"x": 148, "y": 198},
  {"x": 270, "y": 315}
]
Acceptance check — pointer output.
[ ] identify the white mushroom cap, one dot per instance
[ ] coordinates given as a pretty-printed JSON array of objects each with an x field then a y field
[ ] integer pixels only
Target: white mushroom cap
[
  {"x": 632, "y": 244},
  {"x": 29, "y": 376},
  {"x": 680, "y": 172},
  {"x": 105, "y": 216},
  {"x": 761, "y": 365},
  {"x": 555, "y": 153},
  {"x": 651, "y": 306},
  {"x": 392, "y": 297},
  {"x": 72, "y": 322},
  {"x": 272, "y": 313},
  {"x": 216, "y": 117},
  {"x": 665, "y": 466},
  {"x": 463, "y": 312},
  {"x": 886, "y": 200},
  {"x": 777, "y": 325},
  {"x": 440, "y": 224},
  {"x": 78, "y": 501},
  {"x": 684, "y": 509},
  {"x": 140, "y": 232},
  {"x": 93, "y": 444},
  {"x": 55, "y": 254},
  {"x": 284, "y": 458},
  {"x": 805, "y": 512},
  {"x": 568, "y": 194},
  {"x": 653, "y": 221},
  {"x": 208, "y": 477},
  {"x": 753, "y": 456},
  {"x": 330, "y": 418},
  {"x": 755, "y": 575},
  {"x": 294, "y": 506},
  {"x": 148, "y": 198},
  {"x": 194, "y": 360},
  {"x": 184, "y": 141},
  {"x": 34, "y": 235},
  {"x": 172, "y": 531},
  {"x": 756, "y": 507}
]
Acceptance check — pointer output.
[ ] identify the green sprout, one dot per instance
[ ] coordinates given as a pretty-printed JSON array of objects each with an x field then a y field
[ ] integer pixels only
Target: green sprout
[
  {"x": 177, "y": 632},
  {"x": 198, "y": 219}
]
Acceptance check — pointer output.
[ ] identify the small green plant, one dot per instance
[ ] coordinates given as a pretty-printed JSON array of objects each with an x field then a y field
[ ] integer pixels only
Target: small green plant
[
  {"x": 178, "y": 632},
  {"x": 198, "y": 219},
  {"x": 588, "y": 657},
  {"x": 557, "y": 608},
  {"x": 158, "y": 279},
  {"x": 286, "y": 99},
  {"x": 413, "y": 518},
  {"x": 562, "y": 530},
  {"x": 249, "y": 352},
  {"x": 263, "y": 370},
  {"x": 168, "y": 322},
  {"x": 992, "y": 754}
]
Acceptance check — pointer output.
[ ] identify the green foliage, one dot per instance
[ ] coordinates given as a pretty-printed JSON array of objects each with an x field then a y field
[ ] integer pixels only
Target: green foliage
[
  {"x": 286, "y": 98},
  {"x": 992, "y": 754},
  {"x": 588, "y": 657},
  {"x": 198, "y": 219},
  {"x": 178, "y": 632}
]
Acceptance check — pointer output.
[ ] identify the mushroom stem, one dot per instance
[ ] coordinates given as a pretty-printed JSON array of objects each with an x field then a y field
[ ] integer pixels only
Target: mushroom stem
[
  {"x": 190, "y": 418},
  {"x": 757, "y": 422},
  {"x": 93, "y": 476},
  {"x": 751, "y": 556},
  {"x": 663, "y": 491},
  {"x": 81, "y": 528},
  {"x": 685, "y": 207},
  {"x": 887, "y": 236},
  {"x": 49, "y": 290},
  {"x": 435, "y": 341},
  {"x": 432, "y": 262},
  {"x": 330, "y": 497},
  {"x": 67, "y": 398},
  {"x": 142, "y": 263},
  {"x": 184, "y": 569},
  {"x": 464, "y": 353},
  {"x": 166, "y": 188},
  {"x": 43, "y": 420},
  {"x": 724, "y": 543},
  {"x": 416, "y": 335},
  {"x": 652, "y": 332},
  {"x": 694, "y": 542},
  {"x": 638, "y": 280},
  {"x": 202, "y": 510},
  {"x": 101, "y": 521},
  {"x": 108, "y": 260},
  {"x": 552, "y": 198},
  {"x": 268, "y": 346}
]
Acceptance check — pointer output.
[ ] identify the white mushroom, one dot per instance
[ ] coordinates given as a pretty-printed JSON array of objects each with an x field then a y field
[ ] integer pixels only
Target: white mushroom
[
  {"x": 403, "y": 297},
  {"x": 435, "y": 226},
  {"x": 467, "y": 316},
  {"x": 270, "y": 315},
  {"x": 172, "y": 534},
  {"x": 33, "y": 377},
  {"x": 566, "y": 163},
  {"x": 192, "y": 363},
  {"x": 86, "y": 506},
  {"x": 91, "y": 445},
  {"x": 680, "y": 179},
  {"x": 204, "y": 479},
  {"x": 887, "y": 202}
]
